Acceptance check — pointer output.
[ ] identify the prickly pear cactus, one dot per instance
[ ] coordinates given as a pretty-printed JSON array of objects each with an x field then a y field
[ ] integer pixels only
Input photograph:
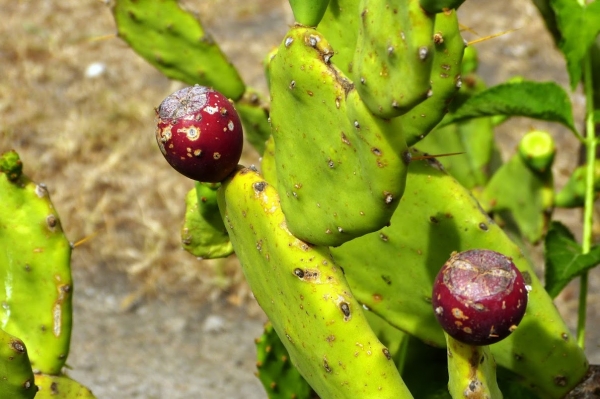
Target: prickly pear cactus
[
  {"x": 340, "y": 169},
  {"x": 276, "y": 371},
  {"x": 35, "y": 258},
  {"x": 163, "y": 33},
  {"x": 393, "y": 58},
  {"x": 16, "y": 375},
  {"x": 203, "y": 233},
  {"x": 306, "y": 297},
  {"x": 60, "y": 387}
]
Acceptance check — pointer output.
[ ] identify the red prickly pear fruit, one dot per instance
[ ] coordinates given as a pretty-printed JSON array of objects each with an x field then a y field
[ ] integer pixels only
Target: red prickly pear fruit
[
  {"x": 479, "y": 297},
  {"x": 199, "y": 133}
]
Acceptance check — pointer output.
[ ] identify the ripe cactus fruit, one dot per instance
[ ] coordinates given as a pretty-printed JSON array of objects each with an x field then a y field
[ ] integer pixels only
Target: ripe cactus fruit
[
  {"x": 35, "y": 258},
  {"x": 393, "y": 58},
  {"x": 16, "y": 376},
  {"x": 391, "y": 271},
  {"x": 479, "y": 297},
  {"x": 306, "y": 297},
  {"x": 199, "y": 133},
  {"x": 340, "y": 170}
]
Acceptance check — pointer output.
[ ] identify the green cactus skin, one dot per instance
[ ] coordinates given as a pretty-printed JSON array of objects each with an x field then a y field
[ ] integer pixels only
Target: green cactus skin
[
  {"x": 174, "y": 41},
  {"x": 340, "y": 26},
  {"x": 340, "y": 170},
  {"x": 537, "y": 148},
  {"x": 392, "y": 272},
  {"x": 11, "y": 165},
  {"x": 393, "y": 58},
  {"x": 16, "y": 376},
  {"x": 435, "y": 6},
  {"x": 306, "y": 297},
  {"x": 278, "y": 375},
  {"x": 60, "y": 387},
  {"x": 203, "y": 233},
  {"x": 471, "y": 371},
  {"x": 267, "y": 164},
  {"x": 572, "y": 195},
  {"x": 445, "y": 80},
  {"x": 255, "y": 117},
  {"x": 529, "y": 202},
  {"x": 474, "y": 138},
  {"x": 35, "y": 259},
  {"x": 309, "y": 12}
]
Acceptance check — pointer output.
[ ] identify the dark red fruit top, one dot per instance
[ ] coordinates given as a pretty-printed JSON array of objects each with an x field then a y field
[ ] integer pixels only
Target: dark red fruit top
[
  {"x": 479, "y": 297},
  {"x": 199, "y": 133}
]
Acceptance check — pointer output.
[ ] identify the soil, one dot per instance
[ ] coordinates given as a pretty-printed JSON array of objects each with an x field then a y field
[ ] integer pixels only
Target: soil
[{"x": 151, "y": 321}]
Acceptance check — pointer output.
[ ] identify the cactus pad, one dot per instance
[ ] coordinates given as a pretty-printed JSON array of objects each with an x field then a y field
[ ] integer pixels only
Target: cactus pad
[
  {"x": 174, "y": 41},
  {"x": 393, "y": 58},
  {"x": 203, "y": 233},
  {"x": 35, "y": 259},
  {"x": 16, "y": 376},
  {"x": 340, "y": 170},
  {"x": 392, "y": 272},
  {"x": 60, "y": 387},
  {"x": 306, "y": 297},
  {"x": 278, "y": 375}
]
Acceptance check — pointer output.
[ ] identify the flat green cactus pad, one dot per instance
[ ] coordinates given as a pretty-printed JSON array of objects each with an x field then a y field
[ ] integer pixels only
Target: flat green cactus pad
[
  {"x": 203, "y": 233},
  {"x": 16, "y": 375},
  {"x": 278, "y": 375},
  {"x": 340, "y": 170},
  {"x": 445, "y": 79},
  {"x": 60, "y": 387},
  {"x": 392, "y": 63},
  {"x": 174, "y": 41},
  {"x": 340, "y": 26},
  {"x": 35, "y": 273},
  {"x": 392, "y": 272},
  {"x": 306, "y": 297}
]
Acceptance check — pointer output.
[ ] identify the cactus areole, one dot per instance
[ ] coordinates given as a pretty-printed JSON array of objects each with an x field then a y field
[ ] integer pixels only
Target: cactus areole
[
  {"x": 199, "y": 133},
  {"x": 479, "y": 297}
]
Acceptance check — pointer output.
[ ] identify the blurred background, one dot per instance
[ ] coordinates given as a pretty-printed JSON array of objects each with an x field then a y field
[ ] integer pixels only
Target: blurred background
[{"x": 152, "y": 321}]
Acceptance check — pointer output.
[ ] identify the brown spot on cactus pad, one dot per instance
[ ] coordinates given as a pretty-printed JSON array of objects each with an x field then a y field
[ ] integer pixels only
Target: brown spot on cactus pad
[
  {"x": 479, "y": 297},
  {"x": 199, "y": 133}
]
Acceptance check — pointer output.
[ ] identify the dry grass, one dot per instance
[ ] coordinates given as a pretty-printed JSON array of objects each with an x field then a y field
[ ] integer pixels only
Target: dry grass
[{"x": 91, "y": 140}]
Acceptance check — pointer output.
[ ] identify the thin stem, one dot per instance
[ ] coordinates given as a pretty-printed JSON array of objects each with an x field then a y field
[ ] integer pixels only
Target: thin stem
[{"x": 590, "y": 143}]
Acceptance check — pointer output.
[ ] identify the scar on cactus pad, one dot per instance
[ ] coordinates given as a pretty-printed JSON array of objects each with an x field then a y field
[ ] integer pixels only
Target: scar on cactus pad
[
  {"x": 479, "y": 297},
  {"x": 199, "y": 133}
]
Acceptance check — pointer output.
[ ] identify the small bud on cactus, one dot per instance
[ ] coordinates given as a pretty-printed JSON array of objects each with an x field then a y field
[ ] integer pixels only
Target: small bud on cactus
[
  {"x": 199, "y": 133},
  {"x": 479, "y": 297}
]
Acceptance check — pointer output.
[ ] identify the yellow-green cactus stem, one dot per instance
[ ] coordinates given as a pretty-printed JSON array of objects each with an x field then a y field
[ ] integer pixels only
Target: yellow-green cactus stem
[
  {"x": 471, "y": 371},
  {"x": 35, "y": 259},
  {"x": 306, "y": 297},
  {"x": 276, "y": 372}
]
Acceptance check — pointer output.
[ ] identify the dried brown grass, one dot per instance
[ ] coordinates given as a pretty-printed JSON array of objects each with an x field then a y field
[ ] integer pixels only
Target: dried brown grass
[{"x": 91, "y": 140}]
